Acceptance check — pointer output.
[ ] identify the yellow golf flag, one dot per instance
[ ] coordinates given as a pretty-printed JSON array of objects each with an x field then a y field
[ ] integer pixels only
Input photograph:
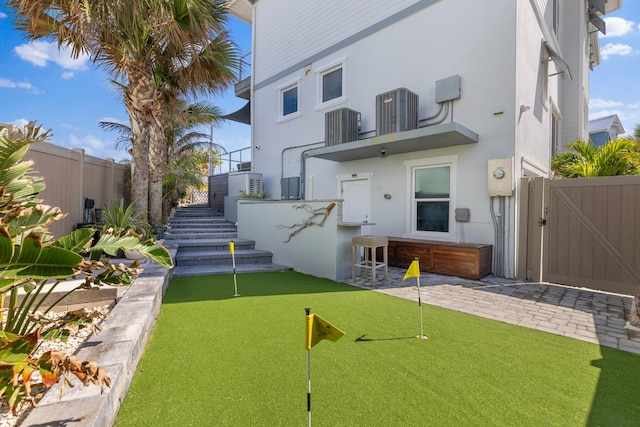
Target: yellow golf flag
[
  {"x": 413, "y": 270},
  {"x": 318, "y": 329},
  {"x": 232, "y": 248}
]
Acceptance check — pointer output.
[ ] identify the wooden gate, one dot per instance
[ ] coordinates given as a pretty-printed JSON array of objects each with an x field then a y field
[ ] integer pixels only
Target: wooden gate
[{"x": 584, "y": 232}]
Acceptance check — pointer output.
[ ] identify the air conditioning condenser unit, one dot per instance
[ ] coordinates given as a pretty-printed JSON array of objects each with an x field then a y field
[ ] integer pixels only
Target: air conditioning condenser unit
[
  {"x": 396, "y": 111},
  {"x": 246, "y": 182},
  {"x": 341, "y": 125}
]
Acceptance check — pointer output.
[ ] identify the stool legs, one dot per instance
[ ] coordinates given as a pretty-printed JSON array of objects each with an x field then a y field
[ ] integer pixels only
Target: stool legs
[
  {"x": 369, "y": 260},
  {"x": 354, "y": 250},
  {"x": 385, "y": 258}
]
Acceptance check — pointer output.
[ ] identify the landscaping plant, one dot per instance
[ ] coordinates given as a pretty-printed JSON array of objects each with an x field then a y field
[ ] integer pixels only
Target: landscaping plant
[{"x": 33, "y": 260}]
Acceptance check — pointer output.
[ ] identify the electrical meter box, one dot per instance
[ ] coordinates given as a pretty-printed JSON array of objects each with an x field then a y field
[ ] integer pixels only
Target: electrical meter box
[{"x": 500, "y": 177}]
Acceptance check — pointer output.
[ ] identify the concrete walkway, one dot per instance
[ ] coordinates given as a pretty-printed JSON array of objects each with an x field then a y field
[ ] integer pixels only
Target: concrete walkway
[{"x": 597, "y": 317}]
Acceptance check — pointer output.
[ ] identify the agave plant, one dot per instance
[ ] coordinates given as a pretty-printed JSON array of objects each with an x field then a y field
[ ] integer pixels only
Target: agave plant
[{"x": 32, "y": 260}]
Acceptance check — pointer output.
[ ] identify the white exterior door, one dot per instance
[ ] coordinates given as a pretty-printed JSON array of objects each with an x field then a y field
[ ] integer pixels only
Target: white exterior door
[{"x": 356, "y": 194}]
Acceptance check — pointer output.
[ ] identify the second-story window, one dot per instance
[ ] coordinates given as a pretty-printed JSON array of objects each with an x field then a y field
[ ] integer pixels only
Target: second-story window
[
  {"x": 331, "y": 84},
  {"x": 289, "y": 101}
]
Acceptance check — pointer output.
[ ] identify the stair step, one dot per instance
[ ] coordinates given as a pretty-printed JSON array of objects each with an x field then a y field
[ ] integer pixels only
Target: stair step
[
  {"x": 199, "y": 221},
  {"x": 201, "y": 270},
  {"x": 203, "y": 245},
  {"x": 197, "y": 214},
  {"x": 197, "y": 230},
  {"x": 248, "y": 256},
  {"x": 212, "y": 236},
  {"x": 202, "y": 238}
]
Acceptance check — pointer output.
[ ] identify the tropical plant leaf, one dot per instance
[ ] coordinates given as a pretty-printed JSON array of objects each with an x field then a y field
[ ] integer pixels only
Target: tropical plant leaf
[
  {"x": 18, "y": 350},
  {"x": 110, "y": 244},
  {"x": 77, "y": 241},
  {"x": 31, "y": 260}
]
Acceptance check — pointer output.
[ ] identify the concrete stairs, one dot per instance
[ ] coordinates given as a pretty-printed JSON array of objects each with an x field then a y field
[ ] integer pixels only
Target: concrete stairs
[{"x": 202, "y": 238}]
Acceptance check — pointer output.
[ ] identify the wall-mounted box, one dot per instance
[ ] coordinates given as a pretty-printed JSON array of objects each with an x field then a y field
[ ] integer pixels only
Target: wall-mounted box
[
  {"x": 290, "y": 188},
  {"x": 500, "y": 177}
]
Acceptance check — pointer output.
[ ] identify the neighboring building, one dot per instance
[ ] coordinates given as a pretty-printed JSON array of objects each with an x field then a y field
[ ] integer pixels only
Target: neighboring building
[
  {"x": 605, "y": 129},
  {"x": 413, "y": 110}
]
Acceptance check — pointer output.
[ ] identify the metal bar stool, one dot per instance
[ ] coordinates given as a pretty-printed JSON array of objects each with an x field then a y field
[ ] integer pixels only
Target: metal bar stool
[{"x": 369, "y": 244}]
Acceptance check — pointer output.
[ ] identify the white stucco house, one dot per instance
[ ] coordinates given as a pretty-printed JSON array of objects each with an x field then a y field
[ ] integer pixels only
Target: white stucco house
[{"x": 421, "y": 115}]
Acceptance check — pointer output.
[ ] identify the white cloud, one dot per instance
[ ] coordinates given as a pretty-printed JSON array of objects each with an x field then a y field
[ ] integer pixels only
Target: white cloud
[
  {"x": 41, "y": 53},
  {"x": 615, "y": 49},
  {"x": 67, "y": 75},
  {"x": 617, "y": 27},
  {"x": 628, "y": 118},
  {"x": 3, "y": 15},
  {"x": 10, "y": 84},
  {"x": 20, "y": 122},
  {"x": 605, "y": 113},
  {"x": 604, "y": 103},
  {"x": 114, "y": 120}
]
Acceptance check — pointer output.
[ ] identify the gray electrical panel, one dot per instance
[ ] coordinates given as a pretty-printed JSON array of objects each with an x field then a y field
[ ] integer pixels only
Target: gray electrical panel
[
  {"x": 340, "y": 126},
  {"x": 290, "y": 188},
  {"x": 448, "y": 89},
  {"x": 396, "y": 111},
  {"x": 463, "y": 215}
]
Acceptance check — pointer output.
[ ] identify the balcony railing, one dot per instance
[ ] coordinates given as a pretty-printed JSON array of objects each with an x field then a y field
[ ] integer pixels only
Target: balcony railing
[
  {"x": 243, "y": 85},
  {"x": 233, "y": 161}
]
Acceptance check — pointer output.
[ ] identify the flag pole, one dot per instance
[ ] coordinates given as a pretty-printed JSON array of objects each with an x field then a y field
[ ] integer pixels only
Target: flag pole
[
  {"x": 233, "y": 260},
  {"x": 421, "y": 336},
  {"x": 308, "y": 312}
]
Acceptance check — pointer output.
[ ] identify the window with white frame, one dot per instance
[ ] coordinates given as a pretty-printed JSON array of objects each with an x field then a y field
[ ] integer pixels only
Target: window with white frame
[
  {"x": 331, "y": 84},
  {"x": 289, "y": 101},
  {"x": 432, "y": 182}
]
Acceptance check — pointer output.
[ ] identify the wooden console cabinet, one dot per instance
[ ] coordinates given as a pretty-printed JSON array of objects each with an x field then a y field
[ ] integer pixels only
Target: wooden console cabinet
[{"x": 468, "y": 260}]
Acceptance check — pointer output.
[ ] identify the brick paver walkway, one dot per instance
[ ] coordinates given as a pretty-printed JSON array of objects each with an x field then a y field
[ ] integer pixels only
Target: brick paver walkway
[{"x": 584, "y": 314}]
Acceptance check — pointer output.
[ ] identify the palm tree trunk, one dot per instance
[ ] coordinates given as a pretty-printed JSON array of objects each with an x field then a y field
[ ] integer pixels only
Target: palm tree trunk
[
  {"x": 157, "y": 168},
  {"x": 140, "y": 164},
  {"x": 139, "y": 97}
]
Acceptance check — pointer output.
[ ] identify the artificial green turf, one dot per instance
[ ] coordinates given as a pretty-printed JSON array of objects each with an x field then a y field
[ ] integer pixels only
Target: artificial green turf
[{"x": 215, "y": 359}]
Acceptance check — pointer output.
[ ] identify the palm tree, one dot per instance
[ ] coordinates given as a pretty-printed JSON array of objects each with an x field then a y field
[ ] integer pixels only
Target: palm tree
[
  {"x": 636, "y": 133},
  {"x": 180, "y": 143},
  {"x": 149, "y": 47},
  {"x": 619, "y": 157},
  {"x": 208, "y": 69}
]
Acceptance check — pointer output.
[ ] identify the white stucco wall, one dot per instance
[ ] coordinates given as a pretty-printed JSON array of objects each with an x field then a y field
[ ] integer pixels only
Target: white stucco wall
[
  {"x": 494, "y": 46},
  {"x": 320, "y": 250},
  {"x": 413, "y": 53}
]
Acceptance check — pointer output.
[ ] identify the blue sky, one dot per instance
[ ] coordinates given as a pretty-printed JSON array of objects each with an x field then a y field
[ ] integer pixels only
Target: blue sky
[
  {"x": 71, "y": 96},
  {"x": 37, "y": 82},
  {"x": 615, "y": 83}
]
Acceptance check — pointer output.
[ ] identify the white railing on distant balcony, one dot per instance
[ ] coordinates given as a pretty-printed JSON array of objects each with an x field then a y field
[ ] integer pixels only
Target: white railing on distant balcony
[
  {"x": 244, "y": 68},
  {"x": 233, "y": 161}
]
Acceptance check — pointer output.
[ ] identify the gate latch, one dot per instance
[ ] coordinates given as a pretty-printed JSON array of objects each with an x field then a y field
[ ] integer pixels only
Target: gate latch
[{"x": 542, "y": 221}]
